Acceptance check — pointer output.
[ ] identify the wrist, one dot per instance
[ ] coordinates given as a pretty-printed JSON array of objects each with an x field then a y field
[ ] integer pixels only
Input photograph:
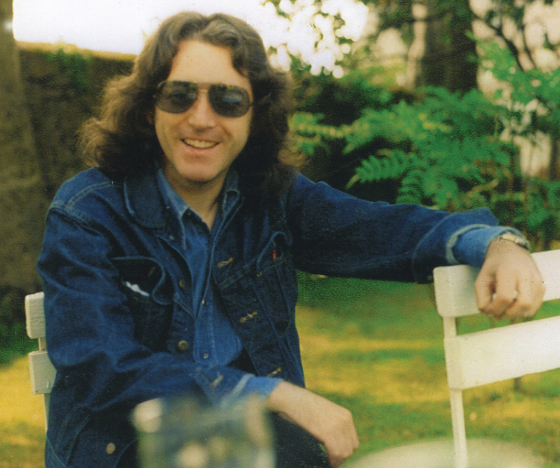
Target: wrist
[
  {"x": 278, "y": 398},
  {"x": 510, "y": 237}
]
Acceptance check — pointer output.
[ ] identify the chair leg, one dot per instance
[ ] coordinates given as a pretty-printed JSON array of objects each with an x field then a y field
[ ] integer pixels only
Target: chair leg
[
  {"x": 46, "y": 399},
  {"x": 459, "y": 433}
]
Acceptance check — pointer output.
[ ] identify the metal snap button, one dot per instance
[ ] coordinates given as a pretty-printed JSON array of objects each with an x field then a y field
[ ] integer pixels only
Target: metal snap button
[
  {"x": 111, "y": 448},
  {"x": 183, "y": 346}
]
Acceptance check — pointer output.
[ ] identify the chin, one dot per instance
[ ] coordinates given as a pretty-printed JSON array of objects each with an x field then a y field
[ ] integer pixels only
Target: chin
[{"x": 199, "y": 177}]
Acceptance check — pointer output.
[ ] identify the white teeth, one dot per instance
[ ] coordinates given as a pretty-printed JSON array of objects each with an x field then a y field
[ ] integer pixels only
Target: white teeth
[{"x": 200, "y": 143}]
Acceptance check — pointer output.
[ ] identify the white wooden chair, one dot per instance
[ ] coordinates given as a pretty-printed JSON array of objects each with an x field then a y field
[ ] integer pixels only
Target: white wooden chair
[
  {"x": 495, "y": 354},
  {"x": 40, "y": 367}
]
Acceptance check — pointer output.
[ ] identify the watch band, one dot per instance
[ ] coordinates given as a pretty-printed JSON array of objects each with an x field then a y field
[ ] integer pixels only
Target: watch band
[{"x": 511, "y": 237}]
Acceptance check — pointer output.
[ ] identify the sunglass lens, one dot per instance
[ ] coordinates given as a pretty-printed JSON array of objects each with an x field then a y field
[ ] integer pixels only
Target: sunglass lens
[
  {"x": 176, "y": 96},
  {"x": 229, "y": 101}
]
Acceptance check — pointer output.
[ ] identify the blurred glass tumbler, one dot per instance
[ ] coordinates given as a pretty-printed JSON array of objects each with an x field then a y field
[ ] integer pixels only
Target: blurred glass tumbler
[{"x": 184, "y": 433}]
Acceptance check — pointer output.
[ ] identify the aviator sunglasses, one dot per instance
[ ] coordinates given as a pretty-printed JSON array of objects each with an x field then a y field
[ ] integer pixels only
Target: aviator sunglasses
[{"x": 178, "y": 96}]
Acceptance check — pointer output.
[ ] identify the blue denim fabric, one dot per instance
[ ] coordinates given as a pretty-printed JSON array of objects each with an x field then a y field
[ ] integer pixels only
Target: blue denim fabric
[
  {"x": 472, "y": 244},
  {"x": 216, "y": 341},
  {"x": 119, "y": 320}
]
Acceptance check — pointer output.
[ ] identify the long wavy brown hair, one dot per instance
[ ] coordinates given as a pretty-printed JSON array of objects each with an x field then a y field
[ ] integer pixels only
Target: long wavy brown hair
[{"x": 122, "y": 141}]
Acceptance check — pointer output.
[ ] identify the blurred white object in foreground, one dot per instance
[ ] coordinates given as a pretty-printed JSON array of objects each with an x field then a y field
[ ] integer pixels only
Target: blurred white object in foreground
[
  {"x": 187, "y": 433},
  {"x": 483, "y": 453}
]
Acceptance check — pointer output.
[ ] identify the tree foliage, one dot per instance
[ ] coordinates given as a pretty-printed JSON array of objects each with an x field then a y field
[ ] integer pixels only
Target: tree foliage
[
  {"x": 504, "y": 13},
  {"x": 449, "y": 54},
  {"x": 452, "y": 151},
  {"x": 449, "y": 150}
]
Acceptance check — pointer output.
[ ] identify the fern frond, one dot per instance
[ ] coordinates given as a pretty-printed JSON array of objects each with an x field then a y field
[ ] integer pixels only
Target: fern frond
[
  {"x": 306, "y": 124},
  {"x": 412, "y": 187},
  {"x": 383, "y": 168}
]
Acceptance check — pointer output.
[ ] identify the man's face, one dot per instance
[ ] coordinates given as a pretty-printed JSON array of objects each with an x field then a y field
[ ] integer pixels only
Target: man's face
[{"x": 199, "y": 144}]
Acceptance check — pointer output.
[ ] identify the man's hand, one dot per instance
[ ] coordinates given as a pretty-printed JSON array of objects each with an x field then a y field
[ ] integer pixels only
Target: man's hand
[
  {"x": 331, "y": 424},
  {"x": 509, "y": 283}
]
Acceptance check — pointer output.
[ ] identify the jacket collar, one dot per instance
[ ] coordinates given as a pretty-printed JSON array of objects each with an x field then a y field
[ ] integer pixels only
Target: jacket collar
[{"x": 144, "y": 201}]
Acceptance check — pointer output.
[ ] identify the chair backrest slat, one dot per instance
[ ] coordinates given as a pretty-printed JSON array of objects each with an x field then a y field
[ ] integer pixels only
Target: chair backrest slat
[
  {"x": 35, "y": 316},
  {"x": 455, "y": 296},
  {"x": 502, "y": 353},
  {"x": 41, "y": 370},
  {"x": 454, "y": 287}
]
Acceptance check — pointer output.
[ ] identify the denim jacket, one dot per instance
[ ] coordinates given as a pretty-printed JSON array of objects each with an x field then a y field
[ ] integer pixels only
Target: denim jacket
[{"x": 119, "y": 329}]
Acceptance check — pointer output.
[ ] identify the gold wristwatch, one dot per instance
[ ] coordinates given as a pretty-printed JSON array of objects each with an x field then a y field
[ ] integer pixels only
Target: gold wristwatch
[{"x": 511, "y": 237}]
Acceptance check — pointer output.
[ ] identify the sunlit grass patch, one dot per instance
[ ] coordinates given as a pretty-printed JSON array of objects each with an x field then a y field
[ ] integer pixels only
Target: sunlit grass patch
[
  {"x": 398, "y": 370},
  {"x": 22, "y": 427}
]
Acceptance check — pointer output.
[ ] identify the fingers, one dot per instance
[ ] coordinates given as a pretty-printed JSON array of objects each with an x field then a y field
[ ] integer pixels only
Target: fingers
[
  {"x": 341, "y": 440},
  {"x": 524, "y": 303},
  {"x": 331, "y": 424},
  {"x": 509, "y": 283},
  {"x": 484, "y": 290},
  {"x": 510, "y": 299},
  {"x": 529, "y": 299}
]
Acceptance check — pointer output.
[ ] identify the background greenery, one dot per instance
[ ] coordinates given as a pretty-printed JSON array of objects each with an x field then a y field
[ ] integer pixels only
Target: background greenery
[
  {"x": 438, "y": 141},
  {"x": 447, "y": 150}
]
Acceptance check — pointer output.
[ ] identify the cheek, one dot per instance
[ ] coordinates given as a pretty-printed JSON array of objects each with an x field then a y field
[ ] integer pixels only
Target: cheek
[
  {"x": 162, "y": 126},
  {"x": 162, "y": 131},
  {"x": 241, "y": 140}
]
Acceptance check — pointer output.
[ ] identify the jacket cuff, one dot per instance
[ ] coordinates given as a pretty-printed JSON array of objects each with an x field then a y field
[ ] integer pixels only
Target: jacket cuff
[
  {"x": 432, "y": 250},
  {"x": 260, "y": 386},
  {"x": 225, "y": 386},
  {"x": 471, "y": 244}
]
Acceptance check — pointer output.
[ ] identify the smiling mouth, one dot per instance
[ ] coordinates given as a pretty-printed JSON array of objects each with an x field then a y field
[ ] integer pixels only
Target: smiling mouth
[{"x": 200, "y": 144}]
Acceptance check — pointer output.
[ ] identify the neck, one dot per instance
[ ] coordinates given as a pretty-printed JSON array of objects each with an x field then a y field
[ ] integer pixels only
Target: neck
[
  {"x": 202, "y": 198},
  {"x": 205, "y": 207}
]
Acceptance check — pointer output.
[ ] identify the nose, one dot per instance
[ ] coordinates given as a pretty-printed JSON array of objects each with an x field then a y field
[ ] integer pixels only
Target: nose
[{"x": 201, "y": 114}]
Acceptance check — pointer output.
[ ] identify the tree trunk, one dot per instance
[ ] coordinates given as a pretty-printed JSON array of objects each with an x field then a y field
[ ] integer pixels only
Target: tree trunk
[
  {"x": 441, "y": 52},
  {"x": 23, "y": 203}
]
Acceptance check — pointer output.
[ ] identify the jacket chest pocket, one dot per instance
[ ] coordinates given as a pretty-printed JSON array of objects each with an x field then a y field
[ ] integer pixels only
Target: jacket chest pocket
[{"x": 149, "y": 295}]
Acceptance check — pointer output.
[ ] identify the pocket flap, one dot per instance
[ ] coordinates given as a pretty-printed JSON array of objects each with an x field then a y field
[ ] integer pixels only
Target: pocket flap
[{"x": 146, "y": 277}]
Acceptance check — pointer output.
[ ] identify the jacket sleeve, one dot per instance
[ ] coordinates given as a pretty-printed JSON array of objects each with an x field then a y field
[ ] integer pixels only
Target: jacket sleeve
[
  {"x": 339, "y": 235},
  {"x": 90, "y": 329}
]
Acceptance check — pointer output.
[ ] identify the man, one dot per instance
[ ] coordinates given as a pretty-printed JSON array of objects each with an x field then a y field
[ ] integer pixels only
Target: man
[{"x": 169, "y": 267}]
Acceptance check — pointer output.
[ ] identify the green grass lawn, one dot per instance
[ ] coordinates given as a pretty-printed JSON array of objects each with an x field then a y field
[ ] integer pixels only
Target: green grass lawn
[{"x": 374, "y": 347}]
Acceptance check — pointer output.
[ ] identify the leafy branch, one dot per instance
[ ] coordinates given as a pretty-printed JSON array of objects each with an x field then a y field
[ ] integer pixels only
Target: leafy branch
[{"x": 456, "y": 152}]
